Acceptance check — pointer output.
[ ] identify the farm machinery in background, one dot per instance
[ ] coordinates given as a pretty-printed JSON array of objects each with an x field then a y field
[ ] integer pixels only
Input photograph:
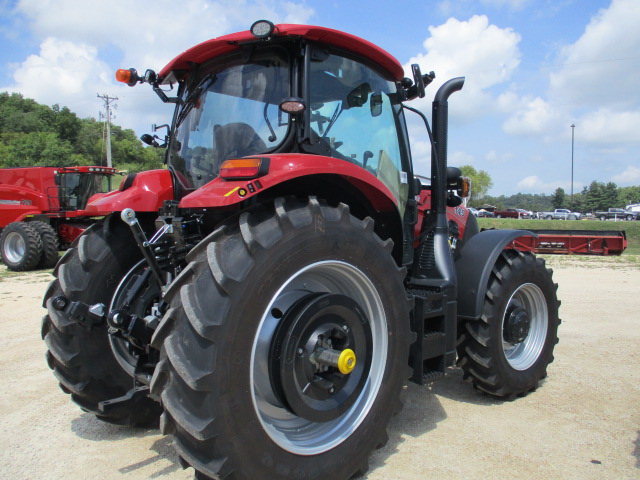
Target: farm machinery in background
[
  {"x": 263, "y": 298},
  {"x": 42, "y": 209}
]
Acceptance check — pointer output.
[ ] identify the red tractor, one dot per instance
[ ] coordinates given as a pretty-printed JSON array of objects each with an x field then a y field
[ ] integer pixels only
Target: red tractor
[
  {"x": 42, "y": 209},
  {"x": 263, "y": 297}
]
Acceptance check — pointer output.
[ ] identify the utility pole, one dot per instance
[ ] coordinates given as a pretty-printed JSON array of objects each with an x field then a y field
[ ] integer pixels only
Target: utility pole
[
  {"x": 107, "y": 105},
  {"x": 573, "y": 127}
]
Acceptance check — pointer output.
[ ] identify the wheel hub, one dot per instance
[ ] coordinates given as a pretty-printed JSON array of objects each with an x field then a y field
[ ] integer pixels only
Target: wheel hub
[
  {"x": 320, "y": 356},
  {"x": 517, "y": 325},
  {"x": 14, "y": 247}
]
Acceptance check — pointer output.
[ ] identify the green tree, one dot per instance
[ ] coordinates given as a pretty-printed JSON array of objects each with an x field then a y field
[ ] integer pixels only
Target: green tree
[
  {"x": 480, "y": 182},
  {"x": 557, "y": 199},
  {"x": 38, "y": 135},
  {"x": 67, "y": 124},
  {"x": 628, "y": 195}
]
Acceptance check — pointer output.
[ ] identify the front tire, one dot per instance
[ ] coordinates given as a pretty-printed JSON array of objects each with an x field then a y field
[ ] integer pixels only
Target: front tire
[
  {"x": 241, "y": 394},
  {"x": 82, "y": 358},
  {"x": 21, "y": 247},
  {"x": 506, "y": 352}
]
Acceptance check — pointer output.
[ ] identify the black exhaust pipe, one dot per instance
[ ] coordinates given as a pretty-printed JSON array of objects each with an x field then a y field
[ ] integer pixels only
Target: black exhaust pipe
[
  {"x": 440, "y": 120},
  {"x": 433, "y": 263}
]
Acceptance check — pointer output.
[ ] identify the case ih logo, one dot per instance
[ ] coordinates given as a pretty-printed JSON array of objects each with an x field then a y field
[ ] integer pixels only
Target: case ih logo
[
  {"x": 25, "y": 202},
  {"x": 460, "y": 211}
]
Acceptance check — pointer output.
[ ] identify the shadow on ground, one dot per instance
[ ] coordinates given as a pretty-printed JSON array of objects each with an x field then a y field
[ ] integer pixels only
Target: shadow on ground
[
  {"x": 423, "y": 411},
  {"x": 88, "y": 427}
]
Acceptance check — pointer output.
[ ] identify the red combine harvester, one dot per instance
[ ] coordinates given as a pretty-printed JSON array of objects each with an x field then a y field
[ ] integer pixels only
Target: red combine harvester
[
  {"x": 263, "y": 297},
  {"x": 42, "y": 209}
]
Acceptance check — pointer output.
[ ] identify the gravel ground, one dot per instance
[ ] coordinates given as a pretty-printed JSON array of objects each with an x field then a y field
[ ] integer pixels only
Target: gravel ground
[{"x": 583, "y": 423}]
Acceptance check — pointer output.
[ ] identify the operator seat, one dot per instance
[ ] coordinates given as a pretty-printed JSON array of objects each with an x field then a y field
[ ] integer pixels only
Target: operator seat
[{"x": 235, "y": 140}]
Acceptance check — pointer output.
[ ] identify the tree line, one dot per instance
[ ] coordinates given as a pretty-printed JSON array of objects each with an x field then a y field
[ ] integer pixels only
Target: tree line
[
  {"x": 32, "y": 134},
  {"x": 595, "y": 197}
]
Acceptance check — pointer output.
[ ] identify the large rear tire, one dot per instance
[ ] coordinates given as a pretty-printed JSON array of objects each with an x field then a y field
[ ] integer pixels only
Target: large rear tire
[
  {"x": 242, "y": 395},
  {"x": 21, "y": 247},
  {"x": 82, "y": 358},
  {"x": 506, "y": 352}
]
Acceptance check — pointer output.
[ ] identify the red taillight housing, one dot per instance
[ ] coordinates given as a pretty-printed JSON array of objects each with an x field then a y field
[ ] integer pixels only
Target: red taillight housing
[{"x": 244, "y": 168}]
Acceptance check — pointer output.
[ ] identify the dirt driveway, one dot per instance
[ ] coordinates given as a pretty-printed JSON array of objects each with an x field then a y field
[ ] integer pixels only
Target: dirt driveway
[{"x": 583, "y": 423}]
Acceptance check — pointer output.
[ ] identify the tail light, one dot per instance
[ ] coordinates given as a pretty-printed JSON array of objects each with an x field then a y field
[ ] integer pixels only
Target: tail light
[
  {"x": 464, "y": 187},
  {"x": 244, "y": 168}
]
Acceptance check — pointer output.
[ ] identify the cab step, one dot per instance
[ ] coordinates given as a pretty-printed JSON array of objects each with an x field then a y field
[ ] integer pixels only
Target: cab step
[{"x": 434, "y": 348}]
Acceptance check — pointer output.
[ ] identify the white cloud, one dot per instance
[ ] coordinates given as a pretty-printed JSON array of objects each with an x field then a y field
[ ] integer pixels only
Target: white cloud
[
  {"x": 602, "y": 66},
  {"x": 609, "y": 127},
  {"x": 631, "y": 176},
  {"x": 486, "y": 54},
  {"x": 529, "y": 116},
  {"x": 534, "y": 184},
  {"x": 150, "y": 33},
  {"x": 61, "y": 72},
  {"x": 82, "y": 41}
]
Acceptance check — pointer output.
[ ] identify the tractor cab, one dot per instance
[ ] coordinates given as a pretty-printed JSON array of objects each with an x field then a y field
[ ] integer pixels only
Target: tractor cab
[
  {"x": 294, "y": 90},
  {"x": 76, "y": 185}
]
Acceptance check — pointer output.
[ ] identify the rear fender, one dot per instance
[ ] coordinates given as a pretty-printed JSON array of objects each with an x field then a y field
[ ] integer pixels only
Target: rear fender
[
  {"x": 143, "y": 192},
  {"x": 474, "y": 263},
  {"x": 288, "y": 168}
]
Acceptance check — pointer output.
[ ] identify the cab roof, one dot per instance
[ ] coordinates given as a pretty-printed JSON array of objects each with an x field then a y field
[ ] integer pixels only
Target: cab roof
[{"x": 229, "y": 43}]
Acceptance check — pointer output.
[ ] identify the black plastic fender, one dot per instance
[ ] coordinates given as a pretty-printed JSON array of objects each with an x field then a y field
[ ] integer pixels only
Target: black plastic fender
[{"x": 474, "y": 264}]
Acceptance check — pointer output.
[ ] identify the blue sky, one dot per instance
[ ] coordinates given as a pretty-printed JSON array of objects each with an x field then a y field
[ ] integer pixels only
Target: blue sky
[{"x": 533, "y": 68}]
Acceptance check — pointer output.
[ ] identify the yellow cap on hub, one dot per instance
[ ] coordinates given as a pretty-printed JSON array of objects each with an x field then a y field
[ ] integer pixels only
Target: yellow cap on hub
[{"x": 347, "y": 361}]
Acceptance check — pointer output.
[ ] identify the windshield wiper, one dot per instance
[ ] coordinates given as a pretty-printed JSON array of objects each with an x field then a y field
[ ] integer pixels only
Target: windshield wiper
[{"x": 204, "y": 84}]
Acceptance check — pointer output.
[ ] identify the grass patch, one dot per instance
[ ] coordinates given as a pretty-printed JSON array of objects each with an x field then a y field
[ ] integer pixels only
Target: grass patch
[
  {"x": 632, "y": 229},
  {"x": 35, "y": 275}
]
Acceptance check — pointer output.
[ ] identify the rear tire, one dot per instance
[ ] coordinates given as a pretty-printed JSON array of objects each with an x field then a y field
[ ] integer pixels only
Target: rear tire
[
  {"x": 506, "y": 352},
  {"x": 21, "y": 246},
  {"x": 234, "y": 372},
  {"x": 50, "y": 244},
  {"x": 82, "y": 358}
]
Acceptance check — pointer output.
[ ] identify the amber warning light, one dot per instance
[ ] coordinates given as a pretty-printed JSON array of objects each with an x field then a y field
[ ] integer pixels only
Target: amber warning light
[
  {"x": 129, "y": 76},
  {"x": 242, "y": 168}
]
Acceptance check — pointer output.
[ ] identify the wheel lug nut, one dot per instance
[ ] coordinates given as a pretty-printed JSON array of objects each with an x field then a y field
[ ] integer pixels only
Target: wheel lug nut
[
  {"x": 300, "y": 351},
  {"x": 332, "y": 390}
]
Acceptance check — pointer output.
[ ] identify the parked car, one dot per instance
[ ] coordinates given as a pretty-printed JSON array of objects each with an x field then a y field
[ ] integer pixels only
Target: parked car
[
  {"x": 560, "y": 214},
  {"x": 485, "y": 214},
  {"x": 511, "y": 213},
  {"x": 474, "y": 211},
  {"x": 616, "y": 214}
]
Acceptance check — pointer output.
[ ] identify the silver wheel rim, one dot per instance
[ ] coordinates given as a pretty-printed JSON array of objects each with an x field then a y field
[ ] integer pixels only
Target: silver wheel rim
[
  {"x": 296, "y": 434},
  {"x": 523, "y": 355},
  {"x": 14, "y": 247}
]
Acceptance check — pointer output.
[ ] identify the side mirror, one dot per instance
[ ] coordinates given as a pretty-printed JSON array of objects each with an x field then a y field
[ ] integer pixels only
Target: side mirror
[
  {"x": 151, "y": 141},
  {"x": 376, "y": 105},
  {"x": 418, "y": 80}
]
